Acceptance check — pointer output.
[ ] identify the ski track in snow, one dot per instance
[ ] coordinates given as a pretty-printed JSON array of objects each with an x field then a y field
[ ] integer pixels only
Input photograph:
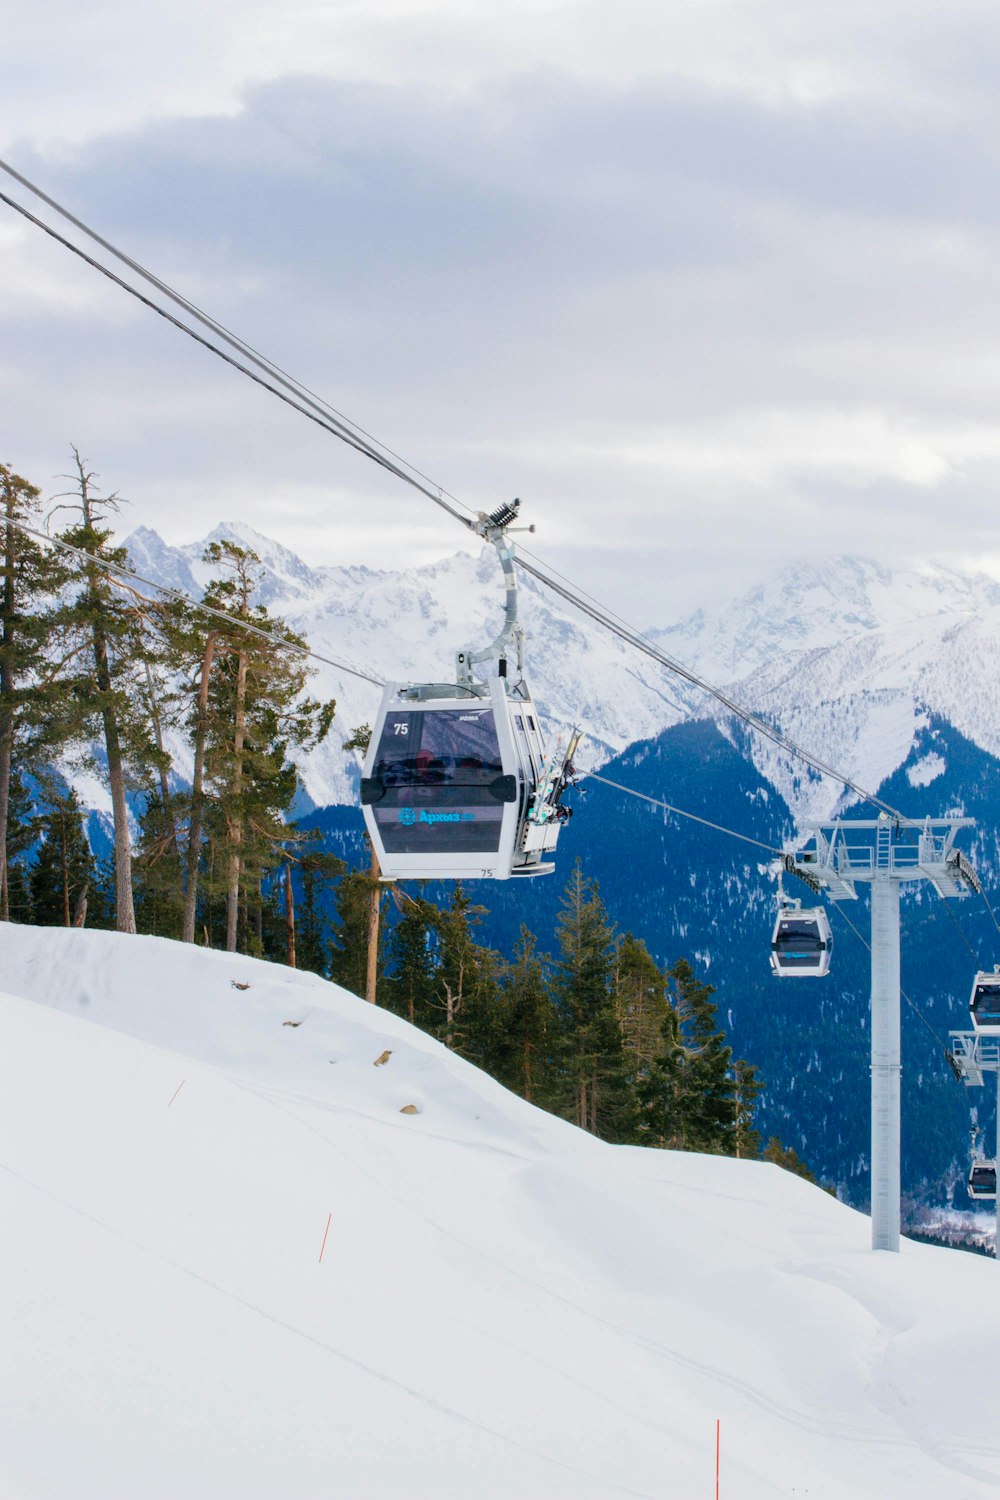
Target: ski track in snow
[
  {"x": 799, "y": 1418},
  {"x": 300, "y": 1333}
]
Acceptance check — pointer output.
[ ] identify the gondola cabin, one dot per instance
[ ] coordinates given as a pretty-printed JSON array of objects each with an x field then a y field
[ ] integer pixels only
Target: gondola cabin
[
  {"x": 459, "y": 787},
  {"x": 802, "y": 943},
  {"x": 983, "y": 1179},
  {"x": 984, "y": 1003}
]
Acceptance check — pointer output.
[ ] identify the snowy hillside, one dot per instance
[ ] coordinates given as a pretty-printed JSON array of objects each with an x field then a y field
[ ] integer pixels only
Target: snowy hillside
[
  {"x": 845, "y": 656},
  {"x": 266, "y": 1241}
]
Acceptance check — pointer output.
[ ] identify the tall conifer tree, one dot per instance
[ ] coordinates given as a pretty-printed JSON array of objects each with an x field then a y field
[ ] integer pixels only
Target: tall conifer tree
[
  {"x": 64, "y": 875},
  {"x": 593, "y": 1052},
  {"x": 257, "y": 711},
  {"x": 524, "y": 1036},
  {"x": 30, "y": 576},
  {"x": 107, "y": 622},
  {"x": 413, "y": 959},
  {"x": 349, "y": 947},
  {"x": 687, "y": 1095}
]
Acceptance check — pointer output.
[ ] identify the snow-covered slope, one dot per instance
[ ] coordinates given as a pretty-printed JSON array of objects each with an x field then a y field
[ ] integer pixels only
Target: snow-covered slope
[{"x": 238, "y": 1264}]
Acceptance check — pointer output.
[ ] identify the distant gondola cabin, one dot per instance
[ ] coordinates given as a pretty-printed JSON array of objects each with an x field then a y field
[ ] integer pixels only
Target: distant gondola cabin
[
  {"x": 802, "y": 942},
  {"x": 983, "y": 1179},
  {"x": 984, "y": 1003}
]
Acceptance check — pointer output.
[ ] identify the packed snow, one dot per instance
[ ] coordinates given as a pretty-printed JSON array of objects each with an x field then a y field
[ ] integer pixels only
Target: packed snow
[{"x": 264, "y": 1240}]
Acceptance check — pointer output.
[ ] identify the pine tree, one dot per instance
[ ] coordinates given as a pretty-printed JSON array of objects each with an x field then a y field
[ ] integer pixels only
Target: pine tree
[
  {"x": 523, "y": 1038},
  {"x": 465, "y": 980},
  {"x": 710, "y": 1112},
  {"x": 640, "y": 1001},
  {"x": 787, "y": 1157},
  {"x": 413, "y": 961},
  {"x": 747, "y": 1088},
  {"x": 359, "y": 741},
  {"x": 158, "y": 874},
  {"x": 156, "y": 868},
  {"x": 30, "y": 575},
  {"x": 19, "y": 893},
  {"x": 593, "y": 1052},
  {"x": 64, "y": 875},
  {"x": 315, "y": 868},
  {"x": 104, "y": 696},
  {"x": 189, "y": 640},
  {"x": 687, "y": 1094},
  {"x": 256, "y": 713},
  {"x": 349, "y": 947},
  {"x": 21, "y": 835}
]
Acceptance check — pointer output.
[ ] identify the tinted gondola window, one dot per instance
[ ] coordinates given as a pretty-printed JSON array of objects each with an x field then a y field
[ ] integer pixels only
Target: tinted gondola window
[
  {"x": 798, "y": 938},
  {"x": 440, "y": 775},
  {"x": 440, "y": 746}
]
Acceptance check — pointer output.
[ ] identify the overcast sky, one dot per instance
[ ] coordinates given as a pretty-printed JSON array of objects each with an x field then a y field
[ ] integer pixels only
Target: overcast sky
[{"x": 707, "y": 283}]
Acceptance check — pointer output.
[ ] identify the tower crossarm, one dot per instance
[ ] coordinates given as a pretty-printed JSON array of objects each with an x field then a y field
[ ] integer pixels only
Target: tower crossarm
[{"x": 835, "y": 855}]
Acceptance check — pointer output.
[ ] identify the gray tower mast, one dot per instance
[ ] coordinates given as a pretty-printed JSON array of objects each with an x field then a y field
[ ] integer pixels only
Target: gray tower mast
[{"x": 835, "y": 857}]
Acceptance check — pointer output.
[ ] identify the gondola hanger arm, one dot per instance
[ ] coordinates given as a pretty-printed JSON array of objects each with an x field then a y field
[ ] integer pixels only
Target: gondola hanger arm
[{"x": 495, "y": 528}]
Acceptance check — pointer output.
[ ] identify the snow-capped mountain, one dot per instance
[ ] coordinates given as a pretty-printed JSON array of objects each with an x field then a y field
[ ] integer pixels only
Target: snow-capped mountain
[
  {"x": 818, "y": 603},
  {"x": 846, "y": 656},
  {"x": 408, "y": 626}
]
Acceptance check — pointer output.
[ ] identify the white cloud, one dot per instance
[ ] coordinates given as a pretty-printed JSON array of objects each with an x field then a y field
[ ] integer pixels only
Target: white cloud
[
  {"x": 74, "y": 71},
  {"x": 680, "y": 275}
]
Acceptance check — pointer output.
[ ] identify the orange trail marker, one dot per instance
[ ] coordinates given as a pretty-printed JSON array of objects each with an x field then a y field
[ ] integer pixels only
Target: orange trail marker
[
  {"x": 326, "y": 1231},
  {"x": 177, "y": 1091}
]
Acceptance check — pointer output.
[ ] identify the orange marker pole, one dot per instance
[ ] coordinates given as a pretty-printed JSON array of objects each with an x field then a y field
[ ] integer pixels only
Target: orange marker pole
[
  {"x": 717, "y": 1444},
  {"x": 326, "y": 1231}
]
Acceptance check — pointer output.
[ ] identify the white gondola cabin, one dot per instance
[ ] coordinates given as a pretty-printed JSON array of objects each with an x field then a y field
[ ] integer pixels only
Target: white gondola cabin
[
  {"x": 456, "y": 783},
  {"x": 984, "y": 1002},
  {"x": 459, "y": 787},
  {"x": 802, "y": 942},
  {"x": 983, "y": 1178}
]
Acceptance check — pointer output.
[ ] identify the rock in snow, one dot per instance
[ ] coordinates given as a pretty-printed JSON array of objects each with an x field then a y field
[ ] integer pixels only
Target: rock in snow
[{"x": 276, "y": 1281}]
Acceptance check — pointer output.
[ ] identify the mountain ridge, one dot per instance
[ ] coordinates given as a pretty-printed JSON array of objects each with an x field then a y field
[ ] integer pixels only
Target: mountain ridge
[{"x": 847, "y": 657}]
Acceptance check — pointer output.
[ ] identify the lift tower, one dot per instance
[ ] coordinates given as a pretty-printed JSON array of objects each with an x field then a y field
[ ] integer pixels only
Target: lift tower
[{"x": 885, "y": 852}]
